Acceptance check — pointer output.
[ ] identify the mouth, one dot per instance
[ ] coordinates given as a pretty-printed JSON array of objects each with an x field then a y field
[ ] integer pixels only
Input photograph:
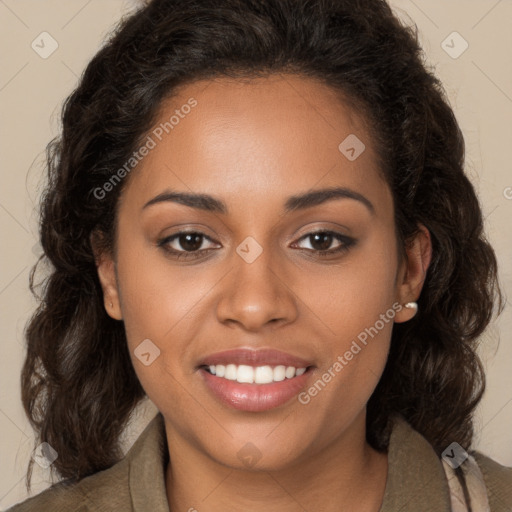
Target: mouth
[{"x": 254, "y": 380}]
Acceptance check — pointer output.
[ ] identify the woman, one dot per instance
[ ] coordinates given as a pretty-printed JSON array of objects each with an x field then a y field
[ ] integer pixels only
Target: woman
[{"x": 257, "y": 217}]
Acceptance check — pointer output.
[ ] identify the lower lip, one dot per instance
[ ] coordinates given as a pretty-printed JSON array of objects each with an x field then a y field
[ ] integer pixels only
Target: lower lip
[{"x": 254, "y": 397}]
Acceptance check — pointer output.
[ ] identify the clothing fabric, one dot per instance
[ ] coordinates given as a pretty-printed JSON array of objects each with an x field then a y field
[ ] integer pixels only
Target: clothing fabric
[
  {"x": 416, "y": 479},
  {"x": 477, "y": 497}
]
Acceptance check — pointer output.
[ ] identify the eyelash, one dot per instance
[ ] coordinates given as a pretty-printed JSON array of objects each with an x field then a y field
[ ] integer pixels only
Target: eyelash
[{"x": 346, "y": 244}]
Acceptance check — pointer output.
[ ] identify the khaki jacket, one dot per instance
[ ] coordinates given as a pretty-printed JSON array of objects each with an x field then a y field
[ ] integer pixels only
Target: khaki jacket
[{"x": 416, "y": 479}]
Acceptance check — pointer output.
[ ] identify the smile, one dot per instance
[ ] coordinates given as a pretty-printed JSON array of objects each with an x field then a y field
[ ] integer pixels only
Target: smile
[
  {"x": 254, "y": 380},
  {"x": 255, "y": 375}
]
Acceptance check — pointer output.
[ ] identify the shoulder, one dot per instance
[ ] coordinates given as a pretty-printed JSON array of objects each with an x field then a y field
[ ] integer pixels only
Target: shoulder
[
  {"x": 105, "y": 490},
  {"x": 412, "y": 459},
  {"x": 115, "y": 487},
  {"x": 498, "y": 480}
]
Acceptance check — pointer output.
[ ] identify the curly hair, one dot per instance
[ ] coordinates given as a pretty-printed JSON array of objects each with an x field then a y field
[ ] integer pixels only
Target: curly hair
[{"x": 78, "y": 383}]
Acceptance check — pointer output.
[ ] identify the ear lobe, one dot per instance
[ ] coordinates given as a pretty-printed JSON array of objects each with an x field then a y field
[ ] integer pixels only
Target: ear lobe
[
  {"x": 105, "y": 266},
  {"x": 417, "y": 261}
]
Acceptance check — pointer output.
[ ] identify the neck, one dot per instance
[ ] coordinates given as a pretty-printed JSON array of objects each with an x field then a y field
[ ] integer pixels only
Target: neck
[{"x": 346, "y": 473}]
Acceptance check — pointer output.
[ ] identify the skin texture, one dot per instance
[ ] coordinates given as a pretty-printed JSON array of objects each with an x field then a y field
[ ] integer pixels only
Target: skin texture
[{"x": 253, "y": 144}]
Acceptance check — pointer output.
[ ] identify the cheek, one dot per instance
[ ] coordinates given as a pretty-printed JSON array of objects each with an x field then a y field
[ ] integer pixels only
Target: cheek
[
  {"x": 159, "y": 305},
  {"x": 156, "y": 295},
  {"x": 350, "y": 296},
  {"x": 354, "y": 307}
]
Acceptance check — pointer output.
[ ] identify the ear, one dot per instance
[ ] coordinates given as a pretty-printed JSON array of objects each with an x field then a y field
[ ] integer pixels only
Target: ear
[
  {"x": 413, "y": 272},
  {"x": 105, "y": 266}
]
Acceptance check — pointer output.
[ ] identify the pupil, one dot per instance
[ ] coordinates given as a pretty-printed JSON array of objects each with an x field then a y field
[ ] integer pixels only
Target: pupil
[{"x": 327, "y": 240}]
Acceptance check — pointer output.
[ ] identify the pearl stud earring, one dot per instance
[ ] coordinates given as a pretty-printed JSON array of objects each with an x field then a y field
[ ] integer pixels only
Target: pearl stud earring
[{"x": 411, "y": 305}]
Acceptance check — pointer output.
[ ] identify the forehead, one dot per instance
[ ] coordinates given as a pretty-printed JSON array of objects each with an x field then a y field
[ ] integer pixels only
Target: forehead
[{"x": 260, "y": 136}]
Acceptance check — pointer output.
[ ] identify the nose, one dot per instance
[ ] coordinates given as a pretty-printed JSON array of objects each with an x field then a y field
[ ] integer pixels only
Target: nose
[{"x": 256, "y": 294}]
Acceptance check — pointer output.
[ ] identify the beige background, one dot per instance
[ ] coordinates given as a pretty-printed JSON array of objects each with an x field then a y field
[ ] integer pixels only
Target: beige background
[{"x": 32, "y": 89}]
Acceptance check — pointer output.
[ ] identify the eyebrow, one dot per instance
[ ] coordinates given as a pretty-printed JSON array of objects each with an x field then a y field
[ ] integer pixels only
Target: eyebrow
[{"x": 293, "y": 203}]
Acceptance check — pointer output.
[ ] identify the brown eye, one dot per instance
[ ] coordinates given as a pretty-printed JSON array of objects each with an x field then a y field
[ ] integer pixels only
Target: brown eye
[
  {"x": 185, "y": 244},
  {"x": 320, "y": 243},
  {"x": 190, "y": 241}
]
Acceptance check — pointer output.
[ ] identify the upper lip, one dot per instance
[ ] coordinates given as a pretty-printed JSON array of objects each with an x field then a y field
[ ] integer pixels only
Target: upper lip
[{"x": 252, "y": 357}]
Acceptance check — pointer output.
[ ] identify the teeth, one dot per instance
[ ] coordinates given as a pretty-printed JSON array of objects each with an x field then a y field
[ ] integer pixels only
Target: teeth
[
  {"x": 280, "y": 373},
  {"x": 263, "y": 374},
  {"x": 230, "y": 372},
  {"x": 245, "y": 374},
  {"x": 255, "y": 375},
  {"x": 289, "y": 372}
]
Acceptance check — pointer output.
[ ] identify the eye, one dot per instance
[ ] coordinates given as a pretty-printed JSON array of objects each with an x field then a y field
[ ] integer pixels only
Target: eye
[
  {"x": 320, "y": 242},
  {"x": 185, "y": 244}
]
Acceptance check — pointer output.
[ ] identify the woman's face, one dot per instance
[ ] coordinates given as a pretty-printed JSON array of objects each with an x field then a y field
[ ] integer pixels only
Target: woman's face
[{"x": 261, "y": 153}]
